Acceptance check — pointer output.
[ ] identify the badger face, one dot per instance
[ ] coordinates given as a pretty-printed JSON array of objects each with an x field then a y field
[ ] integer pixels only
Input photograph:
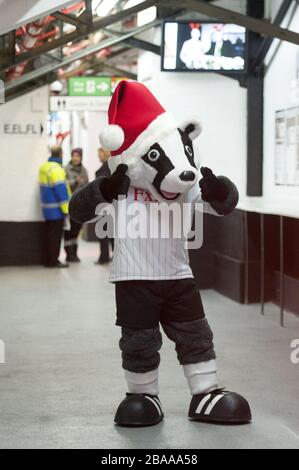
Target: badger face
[{"x": 169, "y": 168}]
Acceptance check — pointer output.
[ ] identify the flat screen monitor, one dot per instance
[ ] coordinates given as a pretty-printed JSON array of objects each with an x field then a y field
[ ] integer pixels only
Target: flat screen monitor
[{"x": 203, "y": 47}]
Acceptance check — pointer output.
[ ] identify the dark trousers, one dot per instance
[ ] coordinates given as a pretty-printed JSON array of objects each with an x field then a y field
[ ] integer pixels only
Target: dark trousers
[
  {"x": 175, "y": 304},
  {"x": 104, "y": 248},
  {"x": 53, "y": 236},
  {"x": 71, "y": 236}
]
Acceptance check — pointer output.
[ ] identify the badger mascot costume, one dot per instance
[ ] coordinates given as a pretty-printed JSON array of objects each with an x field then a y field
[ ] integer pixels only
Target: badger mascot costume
[{"x": 153, "y": 162}]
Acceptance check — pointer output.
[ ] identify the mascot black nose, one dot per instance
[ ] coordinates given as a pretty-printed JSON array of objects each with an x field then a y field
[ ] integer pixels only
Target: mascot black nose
[{"x": 187, "y": 176}]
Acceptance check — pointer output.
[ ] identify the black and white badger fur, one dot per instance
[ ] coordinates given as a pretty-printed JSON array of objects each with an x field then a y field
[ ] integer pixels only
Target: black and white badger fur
[
  {"x": 171, "y": 166},
  {"x": 168, "y": 170}
]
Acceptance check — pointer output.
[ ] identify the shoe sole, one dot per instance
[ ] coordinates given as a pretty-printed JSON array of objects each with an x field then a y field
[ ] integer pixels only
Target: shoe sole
[
  {"x": 137, "y": 424},
  {"x": 208, "y": 419}
]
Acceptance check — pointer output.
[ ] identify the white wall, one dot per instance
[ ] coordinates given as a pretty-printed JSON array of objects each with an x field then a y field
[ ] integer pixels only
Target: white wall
[
  {"x": 21, "y": 155},
  {"x": 94, "y": 123},
  {"x": 86, "y": 127},
  {"x": 219, "y": 102},
  {"x": 278, "y": 95}
]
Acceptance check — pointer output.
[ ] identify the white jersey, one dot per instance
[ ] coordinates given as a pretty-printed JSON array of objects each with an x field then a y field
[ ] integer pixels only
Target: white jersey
[{"x": 149, "y": 258}]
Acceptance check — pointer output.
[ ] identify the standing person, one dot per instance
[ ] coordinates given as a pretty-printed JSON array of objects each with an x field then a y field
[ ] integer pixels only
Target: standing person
[
  {"x": 192, "y": 52},
  {"x": 77, "y": 178},
  {"x": 104, "y": 171},
  {"x": 55, "y": 194},
  {"x": 154, "y": 163}
]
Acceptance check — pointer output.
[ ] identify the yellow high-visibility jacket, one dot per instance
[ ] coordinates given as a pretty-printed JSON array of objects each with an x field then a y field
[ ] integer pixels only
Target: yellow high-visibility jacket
[{"x": 54, "y": 189}]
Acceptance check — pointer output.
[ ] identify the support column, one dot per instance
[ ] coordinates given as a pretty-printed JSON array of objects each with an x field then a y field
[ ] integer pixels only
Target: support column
[{"x": 255, "y": 106}]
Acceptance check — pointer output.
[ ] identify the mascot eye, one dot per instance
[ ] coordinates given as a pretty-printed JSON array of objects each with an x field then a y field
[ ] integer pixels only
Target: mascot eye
[
  {"x": 189, "y": 150},
  {"x": 153, "y": 155}
]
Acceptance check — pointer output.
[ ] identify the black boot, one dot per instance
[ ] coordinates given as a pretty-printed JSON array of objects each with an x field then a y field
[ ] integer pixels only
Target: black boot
[
  {"x": 220, "y": 406},
  {"x": 67, "y": 250},
  {"x": 139, "y": 409},
  {"x": 75, "y": 248},
  {"x": 71, "y": 256}
]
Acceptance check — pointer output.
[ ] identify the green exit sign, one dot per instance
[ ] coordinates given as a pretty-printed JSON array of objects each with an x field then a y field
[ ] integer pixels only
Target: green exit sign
[{"x": 89, "y": 86}]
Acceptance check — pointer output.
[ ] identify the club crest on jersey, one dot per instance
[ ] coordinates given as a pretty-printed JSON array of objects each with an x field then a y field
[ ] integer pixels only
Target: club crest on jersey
[{"x": 141, "y": 195}]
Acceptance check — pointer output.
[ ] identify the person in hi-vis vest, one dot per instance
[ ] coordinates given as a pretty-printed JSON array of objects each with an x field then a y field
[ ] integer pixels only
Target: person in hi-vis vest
[{"x": 55, "y": 194}]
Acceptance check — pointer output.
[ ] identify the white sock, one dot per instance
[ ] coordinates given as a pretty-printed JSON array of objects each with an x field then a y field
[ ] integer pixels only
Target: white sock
[
  {"x": 144, "y": 382},
  {"x": 201, "y": 377}
]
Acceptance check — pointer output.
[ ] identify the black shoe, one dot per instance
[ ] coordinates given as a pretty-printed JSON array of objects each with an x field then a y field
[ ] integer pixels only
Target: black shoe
[
  {"x": 75, "y": 249},
  {"x": 220, "y": 406},
  {"x": 72, "y": 259},
  {"x": 139, "y": 409},
  {"x": 58, "y": 264},
  {"x": 71, "y": 254}
]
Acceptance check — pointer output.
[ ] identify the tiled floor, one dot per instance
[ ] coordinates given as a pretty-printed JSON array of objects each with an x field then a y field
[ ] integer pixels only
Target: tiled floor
[{"x": 62, "y": 379}]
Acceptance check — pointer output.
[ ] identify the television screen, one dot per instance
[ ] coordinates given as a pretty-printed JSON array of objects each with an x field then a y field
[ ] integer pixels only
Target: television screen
[{"x": 203, "y": 46}]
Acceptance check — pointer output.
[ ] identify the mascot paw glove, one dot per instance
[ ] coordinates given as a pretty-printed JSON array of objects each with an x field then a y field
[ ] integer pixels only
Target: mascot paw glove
[
  {"x": 117, "y": 185},
  {"x": 212, "y": 188}
]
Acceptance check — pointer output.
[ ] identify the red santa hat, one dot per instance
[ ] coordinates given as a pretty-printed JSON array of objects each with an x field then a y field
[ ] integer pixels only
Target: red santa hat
[{"x": 136, "y": 121}]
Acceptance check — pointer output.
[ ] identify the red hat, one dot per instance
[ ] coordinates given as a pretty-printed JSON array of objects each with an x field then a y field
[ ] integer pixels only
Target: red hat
[{"x": 136, "y": 122}]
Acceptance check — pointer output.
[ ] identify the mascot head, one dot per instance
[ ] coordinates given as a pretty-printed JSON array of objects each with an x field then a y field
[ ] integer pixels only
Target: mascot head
[{"x": 159, "y": 152}]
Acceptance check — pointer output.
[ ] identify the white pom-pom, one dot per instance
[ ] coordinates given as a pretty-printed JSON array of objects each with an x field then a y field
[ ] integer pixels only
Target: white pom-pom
[{"x": 112, "y": 137}]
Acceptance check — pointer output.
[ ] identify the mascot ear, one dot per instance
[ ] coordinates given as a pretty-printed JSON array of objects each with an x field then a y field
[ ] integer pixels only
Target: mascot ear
[{"x": 192, "y": 127}]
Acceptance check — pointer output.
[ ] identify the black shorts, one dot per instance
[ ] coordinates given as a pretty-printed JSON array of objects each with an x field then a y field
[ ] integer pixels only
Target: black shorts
[{"x": 143, "y": 304}]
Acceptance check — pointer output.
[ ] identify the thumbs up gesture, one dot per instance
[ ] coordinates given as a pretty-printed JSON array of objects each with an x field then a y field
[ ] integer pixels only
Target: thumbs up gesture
[
  {"x": 212, "y": 188},
  {"x": 118, "y": 184}
]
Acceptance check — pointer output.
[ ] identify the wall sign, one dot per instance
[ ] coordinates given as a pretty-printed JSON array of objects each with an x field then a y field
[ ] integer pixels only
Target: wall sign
[
  {"x": 32, "y": 129},
  {"x": 89, "y": 86},
  {"x": 93, "y": 86},
  {"x": 287, "y": 147},
  {"x": 79, "y": 103}
]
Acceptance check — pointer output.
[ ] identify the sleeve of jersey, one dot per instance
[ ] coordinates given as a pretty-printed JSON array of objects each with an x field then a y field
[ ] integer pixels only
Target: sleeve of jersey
[
  {"x": 84, "y": 202},
  {"x": 216, "y": 207},
  {"x": 60, "y": 188}
]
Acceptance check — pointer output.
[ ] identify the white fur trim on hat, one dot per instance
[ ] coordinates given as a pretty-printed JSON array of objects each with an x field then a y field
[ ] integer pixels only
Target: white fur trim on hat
[
  {"x": 112, "y": 137},
  {"x": 156, "y": 131}
]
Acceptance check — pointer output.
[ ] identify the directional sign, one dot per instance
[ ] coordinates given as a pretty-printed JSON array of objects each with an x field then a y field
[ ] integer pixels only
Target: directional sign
[
  {"x": 89, "y": 86},
  {"x": 79, "y": 103}
]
